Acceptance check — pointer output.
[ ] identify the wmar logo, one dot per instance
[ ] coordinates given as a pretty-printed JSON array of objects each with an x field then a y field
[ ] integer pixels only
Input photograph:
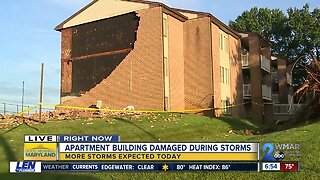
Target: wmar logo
[
  {"x": 25, "y": 166},
  {"x": 277, "y": 156}
]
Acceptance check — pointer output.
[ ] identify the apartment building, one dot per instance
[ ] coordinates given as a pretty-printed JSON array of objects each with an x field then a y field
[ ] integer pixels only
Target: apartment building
[
  {"x": 150, "y": 56},
  {"x": 284, "y": 105},
  {"x": 282, "y": 81},
  {"x": 257, "y": 80}
]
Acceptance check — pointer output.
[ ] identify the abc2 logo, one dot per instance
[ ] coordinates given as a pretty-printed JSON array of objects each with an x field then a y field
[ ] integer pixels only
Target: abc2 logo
[{"x": 277, "y": 156}]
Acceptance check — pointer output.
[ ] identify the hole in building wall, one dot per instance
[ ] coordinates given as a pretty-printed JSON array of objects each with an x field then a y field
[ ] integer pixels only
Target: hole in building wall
[{"x": 99, "y": 47}]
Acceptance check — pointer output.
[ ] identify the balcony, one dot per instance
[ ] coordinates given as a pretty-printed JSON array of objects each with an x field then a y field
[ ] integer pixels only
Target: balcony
[
  {"x": 275, "y": 98},
  {"x": 285, "y": 109},
  {"x": 290, "y": 99},
  {"x": 265, "y": 63},
  {"x": 246, "y": 90},
  {"x": 274, "y": 75},
  {"x": 266, "y": 92},
  {"x": 289, "y": 78},
  {"x": 245, "y": 60}
]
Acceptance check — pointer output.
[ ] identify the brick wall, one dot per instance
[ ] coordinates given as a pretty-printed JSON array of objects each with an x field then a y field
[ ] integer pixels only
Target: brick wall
[
  {"x": 66, "y": 65},
  {"x": 282, "y": 80},
  {"x": 138, "y": 79},
  {"x": 198, "y": 65},
  {"x": 176, "y": 64},
  {"x": 216, "y": 67},
  {"x": 236, "y": 79},
  {"x": 255, "y": 78}
]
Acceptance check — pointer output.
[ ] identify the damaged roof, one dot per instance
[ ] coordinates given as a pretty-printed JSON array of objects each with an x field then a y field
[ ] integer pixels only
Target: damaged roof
[{"x": 138, "y": 5}]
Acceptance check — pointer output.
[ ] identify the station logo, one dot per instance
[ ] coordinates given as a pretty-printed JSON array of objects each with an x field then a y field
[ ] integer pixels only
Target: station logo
[
  {"x": 278, "y": 152},
  {"x": 40, "y": 151},
  {"x": 25, "y": 166},
  {"x": 40, "y": 147}
]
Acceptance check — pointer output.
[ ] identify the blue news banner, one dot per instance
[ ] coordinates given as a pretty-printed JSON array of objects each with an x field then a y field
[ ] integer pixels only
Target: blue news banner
[
  {"x": 47, "y": 166},
  {"x": 89, "y": 138},
  {"x": 98, "y": 167}
]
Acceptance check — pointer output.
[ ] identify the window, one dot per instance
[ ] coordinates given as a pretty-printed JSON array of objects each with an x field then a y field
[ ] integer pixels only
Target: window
[
  {"x": 222, "y": 74},
  {"x": 221, "y": 41},
  {"x": 244, "y": 51},
  {"x": 165, "y": 27},
  {"x": 224, "y": 43},
  {"x": 244, "y": 57},
  {"x": 166, "y": 104},
  {"x": 226, "y": 109},
  {"x": 166, "y": 66},
  {"x": 228, "y": 78},
  {"x": 225, "y": 75}
]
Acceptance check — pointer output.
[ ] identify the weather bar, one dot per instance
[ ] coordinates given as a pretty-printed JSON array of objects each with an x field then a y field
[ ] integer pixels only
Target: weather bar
[{"x": 100, "y": 167}]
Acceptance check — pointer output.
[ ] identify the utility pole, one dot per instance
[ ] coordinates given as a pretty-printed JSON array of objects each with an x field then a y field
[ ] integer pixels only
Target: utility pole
[
  {"x": 22, "y": 96},
  {"x": 41, "y": 88}
]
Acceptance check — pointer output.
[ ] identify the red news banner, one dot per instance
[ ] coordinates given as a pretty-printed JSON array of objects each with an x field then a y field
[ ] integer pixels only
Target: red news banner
[
  {"x": 280, "y": 166},
  {"x": 289, "y": 166}
]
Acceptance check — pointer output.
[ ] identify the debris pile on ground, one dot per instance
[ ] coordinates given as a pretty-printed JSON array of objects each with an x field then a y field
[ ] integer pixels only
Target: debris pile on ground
[{"x": 14, "y": 120}]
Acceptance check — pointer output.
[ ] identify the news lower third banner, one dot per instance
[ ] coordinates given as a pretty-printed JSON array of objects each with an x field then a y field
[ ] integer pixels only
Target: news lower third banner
[
  {"x": 109, "y": 148},
  {"x": 38, "y": 167}
]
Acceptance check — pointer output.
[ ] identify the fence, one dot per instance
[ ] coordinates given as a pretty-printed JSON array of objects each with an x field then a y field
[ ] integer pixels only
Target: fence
[
  {"x": 286, "y": 109},
  {"x": 11, "y": 108}
]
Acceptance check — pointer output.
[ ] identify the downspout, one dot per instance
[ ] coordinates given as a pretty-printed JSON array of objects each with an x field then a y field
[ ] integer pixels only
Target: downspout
[
  {"x": 212, "y": 64},
  {"x": 162, "y": 60}
]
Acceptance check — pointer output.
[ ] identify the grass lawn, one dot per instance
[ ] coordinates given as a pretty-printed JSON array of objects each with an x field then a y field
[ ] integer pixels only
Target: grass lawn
[{"x": 167, "y": 128}]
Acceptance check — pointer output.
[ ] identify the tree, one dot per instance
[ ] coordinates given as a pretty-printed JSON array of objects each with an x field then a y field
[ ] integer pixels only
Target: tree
[
  {"x": 304, "y": 42},
  {"x": 291, "y": 35},
  {"x": 294, "y": 35},
  {"x": 270, "y": 23},
  {"x": 304, "y": 26},
  {"x": 310, "y": 90}
]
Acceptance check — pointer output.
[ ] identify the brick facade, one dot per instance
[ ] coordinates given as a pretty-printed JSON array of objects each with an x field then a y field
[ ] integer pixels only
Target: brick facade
[
  {"x": 66, "y": 65},
  {"x": 259, "y": 78},
  {"x": 282, "y": 81},
  {"x": 144, "y": 63},
  {"x": 216, "y": 68},
  {"x": 255, "y": 78},
  {"x": 176, "y": 64},
  {"x": 236, "y": 77},
  {"x": 194, "y": 67},
  {"x": 198, "y": 65}
]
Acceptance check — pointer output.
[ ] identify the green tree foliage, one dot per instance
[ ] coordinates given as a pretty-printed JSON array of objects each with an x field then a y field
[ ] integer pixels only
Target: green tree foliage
[
  {"x": 305, "y": 32},
  {"x": 292, "y": 34}
]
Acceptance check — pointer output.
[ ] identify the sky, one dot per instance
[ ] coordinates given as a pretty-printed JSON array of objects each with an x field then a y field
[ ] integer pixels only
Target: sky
[{"x": 28, "y": 38}]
